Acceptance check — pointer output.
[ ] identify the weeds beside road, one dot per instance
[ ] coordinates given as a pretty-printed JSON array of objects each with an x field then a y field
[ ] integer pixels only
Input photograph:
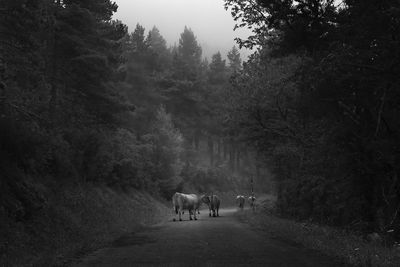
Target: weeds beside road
[
  {"x": 346, "y": 246},
  {"x": 75, "y": 222}
]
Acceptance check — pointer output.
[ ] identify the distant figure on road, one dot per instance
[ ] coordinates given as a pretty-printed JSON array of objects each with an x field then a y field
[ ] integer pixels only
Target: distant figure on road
[
  {"x": 190, "y": 202},
  {"x": 213, "y": 203},
  {"x": 240, "y": 201},
  {"x": 252, "y": 202}
]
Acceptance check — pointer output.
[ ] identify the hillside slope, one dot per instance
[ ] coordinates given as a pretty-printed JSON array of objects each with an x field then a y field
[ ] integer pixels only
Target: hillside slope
[{"x": 72, "y": 222}]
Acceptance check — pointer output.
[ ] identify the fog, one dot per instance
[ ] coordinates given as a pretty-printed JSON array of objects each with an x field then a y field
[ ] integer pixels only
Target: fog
[{"x": 208, "y": 19}]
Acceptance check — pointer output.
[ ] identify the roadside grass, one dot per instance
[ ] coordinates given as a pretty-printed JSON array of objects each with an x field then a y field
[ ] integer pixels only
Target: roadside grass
[
  {"x": 347, "y": 247},
  {"x": 76, "y": 221}
]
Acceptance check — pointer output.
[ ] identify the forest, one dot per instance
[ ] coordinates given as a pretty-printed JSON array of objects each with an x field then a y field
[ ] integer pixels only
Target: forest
[
  {"x": 311, "y": 115},
  {"x": 84, "y": 102},
  {"x": 320, "y": 100}
]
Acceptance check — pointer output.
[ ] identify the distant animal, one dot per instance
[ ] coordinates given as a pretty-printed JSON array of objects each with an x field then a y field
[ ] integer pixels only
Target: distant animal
[
  {"x": 213, "y": 202},
  {"x": 181, "y": 202},
  {"x": 252, "y": 202},
  {"x": 240, "y": 201}
]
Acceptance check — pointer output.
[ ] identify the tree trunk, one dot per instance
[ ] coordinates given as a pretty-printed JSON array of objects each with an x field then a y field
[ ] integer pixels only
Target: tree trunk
[
  {"x": 2, "y": 98},
  {"x": 238, "y": 154},
  {"x": 225, "y": 149},
  {"x": 211, "y": 150},
  {"x": 232, "y": 155},
  {"x": 196, "y": 140},
  {"x": 258, "y": 172},
  {"x": 219, "y": 149},
  {"x": 52, "y": 64},
  {"x": 191, "y": 141}
]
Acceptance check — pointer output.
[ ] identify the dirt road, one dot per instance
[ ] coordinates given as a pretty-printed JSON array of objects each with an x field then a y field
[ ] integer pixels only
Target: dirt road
[{"x": 220, "y": 241}]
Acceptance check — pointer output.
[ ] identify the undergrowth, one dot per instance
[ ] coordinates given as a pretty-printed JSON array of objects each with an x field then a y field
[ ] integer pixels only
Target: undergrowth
[
  {"x": 75, "y": 221},
  {"x": 346, "y": 246}
]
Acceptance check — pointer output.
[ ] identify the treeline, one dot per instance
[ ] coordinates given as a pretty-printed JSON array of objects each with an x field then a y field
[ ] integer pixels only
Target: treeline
[
  {"x": 320, "y": 101},
  {"x": 84, "y": 101},
  {"x": 191, "y": 91}
]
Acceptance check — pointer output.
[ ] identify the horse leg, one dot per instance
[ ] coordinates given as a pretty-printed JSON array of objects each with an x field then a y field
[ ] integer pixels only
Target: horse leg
[
  {"x": 190, "y": 214},
  {"x": 180, "y": 214}
]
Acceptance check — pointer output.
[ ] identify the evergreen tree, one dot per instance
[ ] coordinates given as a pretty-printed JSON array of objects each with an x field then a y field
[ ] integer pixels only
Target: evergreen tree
[
  {"x": 217, "y": 71},
  {"x": 160, "y": 56},
  {"x": 138, "y": 40},
  {"x": 234, "y": 59},
  {"x": 188, "y": 56}
]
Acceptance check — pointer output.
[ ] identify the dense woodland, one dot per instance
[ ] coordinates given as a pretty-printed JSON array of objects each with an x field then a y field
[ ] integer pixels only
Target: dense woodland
[
  {"x": 85, "y": 101},
  {"x": 320, "y": 100}
]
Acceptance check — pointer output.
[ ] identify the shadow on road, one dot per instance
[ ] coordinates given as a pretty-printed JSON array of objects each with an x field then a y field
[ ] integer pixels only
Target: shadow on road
[{"x": 133, "y": 239}]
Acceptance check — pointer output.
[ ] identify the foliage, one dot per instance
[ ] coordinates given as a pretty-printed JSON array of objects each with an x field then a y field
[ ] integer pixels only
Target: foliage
[
  {"x": 234, "y": 60},
  {"x": 84, "y": 103},
  {"x": 168, "y": 149},
  {"x": 206, "y": 180},
  {"x": 188, "y": 57},
  {"x": 68, "y": 102},
  {"x": 331, "y": 132}
]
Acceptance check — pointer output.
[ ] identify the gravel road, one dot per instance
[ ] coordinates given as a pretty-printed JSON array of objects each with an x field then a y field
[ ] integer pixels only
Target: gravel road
[{"x": 220, "y": 241}]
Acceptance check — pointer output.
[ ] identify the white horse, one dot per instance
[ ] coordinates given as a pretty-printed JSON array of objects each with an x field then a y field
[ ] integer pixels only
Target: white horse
[{"x": 190, "y": 202}]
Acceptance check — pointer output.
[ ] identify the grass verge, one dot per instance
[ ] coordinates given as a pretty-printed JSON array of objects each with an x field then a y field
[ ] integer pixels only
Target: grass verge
[
  {"x": 346, "y": 246},
  {"x": 75, "y": 221}
]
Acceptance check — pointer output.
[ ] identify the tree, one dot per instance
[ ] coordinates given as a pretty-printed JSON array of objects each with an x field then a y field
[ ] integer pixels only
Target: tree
[
  {"x": 160, "y": 57},
  {"x": 188, "y": 58},
  {"x": 341, "y": 90},
  {"x": 61, "y": 68},
  {"x": 291, "y": 25},
  {"x": 138, "y": 40},
  {"x": 167, "y": 154},
  {"x": 217, "y": 70},
  {"x": 145, "y": 57},
  {"x": 235, "y": 62},
  {"x": 184, "y": 91}
]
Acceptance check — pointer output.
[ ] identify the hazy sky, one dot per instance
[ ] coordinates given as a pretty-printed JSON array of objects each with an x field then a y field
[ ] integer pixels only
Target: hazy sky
[{"x": 208, "y": 19}]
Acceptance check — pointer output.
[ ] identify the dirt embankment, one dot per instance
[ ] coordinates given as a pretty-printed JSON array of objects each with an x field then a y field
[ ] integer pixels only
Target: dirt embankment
[{"x": 73, "y": 222}]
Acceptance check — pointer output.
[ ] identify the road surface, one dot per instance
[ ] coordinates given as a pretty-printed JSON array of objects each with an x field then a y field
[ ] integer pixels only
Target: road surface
[{"x": 220, "y": 241}]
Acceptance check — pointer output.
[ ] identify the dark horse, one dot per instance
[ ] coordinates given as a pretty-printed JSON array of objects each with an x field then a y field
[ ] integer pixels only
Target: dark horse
[
  {"x": 213, "y": 203},
  {"x": 240, "y": 200}
]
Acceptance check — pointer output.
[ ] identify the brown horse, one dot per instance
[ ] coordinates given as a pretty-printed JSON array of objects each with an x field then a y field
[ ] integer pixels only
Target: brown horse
[{"x": 213, "y": 202}]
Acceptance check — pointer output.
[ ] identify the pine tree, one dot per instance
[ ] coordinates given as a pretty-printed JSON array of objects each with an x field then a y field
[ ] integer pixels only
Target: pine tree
[
  {"x": 234, "y": 60},
  {"x": 217, "y": 71},
  {"x": 160, "y": 55},
  {"x": 189, "y": 56}
]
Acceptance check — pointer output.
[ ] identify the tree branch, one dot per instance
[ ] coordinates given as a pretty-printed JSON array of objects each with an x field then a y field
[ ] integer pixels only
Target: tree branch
[
  {"x": 378, "y": 122},
  {"x": 24, "y": 111}
]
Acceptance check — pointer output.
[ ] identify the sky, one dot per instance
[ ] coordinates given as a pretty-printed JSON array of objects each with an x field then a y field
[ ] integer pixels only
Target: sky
[{"x": 210, "y": 22}]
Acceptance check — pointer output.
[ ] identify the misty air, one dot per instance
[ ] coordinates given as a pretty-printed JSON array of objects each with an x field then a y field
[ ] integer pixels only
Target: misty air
[{"x": 199, "y": 133}]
